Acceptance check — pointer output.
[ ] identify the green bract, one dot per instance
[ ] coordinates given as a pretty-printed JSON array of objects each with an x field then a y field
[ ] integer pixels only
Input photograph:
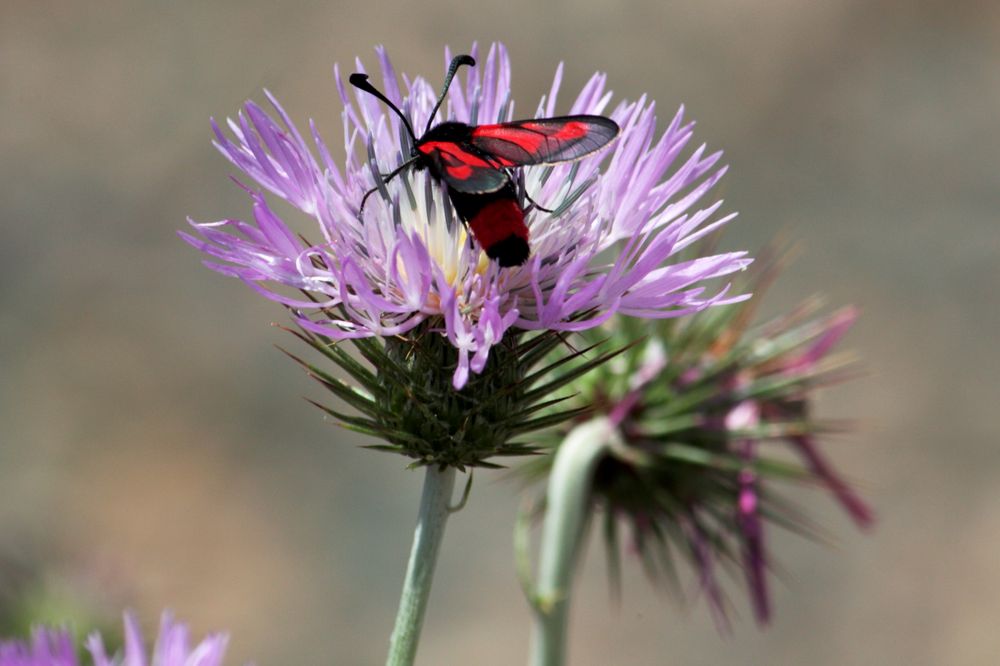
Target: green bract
[{"x": 402, "y": 392}]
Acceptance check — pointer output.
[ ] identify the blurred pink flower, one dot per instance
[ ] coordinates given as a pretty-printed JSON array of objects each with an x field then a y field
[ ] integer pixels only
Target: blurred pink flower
[
  {"x": 172, "y": 646},
  {"x": 47, "y": 647},
  {"x": 702, "y": 407},
  {"x": 55, "y": 647}
]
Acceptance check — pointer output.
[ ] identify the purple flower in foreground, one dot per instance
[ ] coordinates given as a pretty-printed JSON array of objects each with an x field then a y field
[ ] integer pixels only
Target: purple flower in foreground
[
  {"x": 172, "y": 647},
  {"x": 47, "y": 647},
  {"x": 55, "y": 647},
  {"x": 700, "y": 407},
  {"x": 620, "y": 216}
]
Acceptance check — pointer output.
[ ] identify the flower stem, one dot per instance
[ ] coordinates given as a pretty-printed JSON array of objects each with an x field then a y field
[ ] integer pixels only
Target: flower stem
[
  {"x": 434, "y": 511},
  {"x": 566, "y": 521}
]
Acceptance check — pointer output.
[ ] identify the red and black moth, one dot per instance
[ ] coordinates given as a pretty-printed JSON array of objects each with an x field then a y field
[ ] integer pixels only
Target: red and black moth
[{"x": 474, "y": 162}]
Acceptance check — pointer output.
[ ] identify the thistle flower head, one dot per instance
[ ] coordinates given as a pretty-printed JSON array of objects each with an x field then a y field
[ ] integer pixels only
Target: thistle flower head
[
  {"x": 703, "y": 409},
  {"x": 407, "y": 266},
  {"x": 55, "y": 647}
]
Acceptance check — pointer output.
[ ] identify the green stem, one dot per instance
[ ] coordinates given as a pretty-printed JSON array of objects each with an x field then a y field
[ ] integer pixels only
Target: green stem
[
  {"x": 434, "y": 511},
  {"x": 566, "y": 520}
]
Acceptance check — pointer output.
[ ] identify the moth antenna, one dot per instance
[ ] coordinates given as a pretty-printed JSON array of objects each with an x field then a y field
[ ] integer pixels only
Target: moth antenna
[
  {"x": 456, "y": 62},
  {"x": 360, "y": 81}
]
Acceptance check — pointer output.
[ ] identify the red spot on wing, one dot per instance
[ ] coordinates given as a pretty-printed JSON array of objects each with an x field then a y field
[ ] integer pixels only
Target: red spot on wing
[
  {"x": 452, "y": 154},
  {"x": 530, "y": 140},
  {"x": 571, "y": 129},
  {"x": 455, "y": 161},
  {"x": 460, "y": 172}
]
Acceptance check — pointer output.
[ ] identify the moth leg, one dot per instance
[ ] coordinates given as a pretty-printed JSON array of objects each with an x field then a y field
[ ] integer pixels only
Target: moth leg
[
  {"x": 385, "y": 179},
  {"x": 518, "y": 181},
  {"x": 468, "y": 232},
  {"x": 535, "y": 204}
]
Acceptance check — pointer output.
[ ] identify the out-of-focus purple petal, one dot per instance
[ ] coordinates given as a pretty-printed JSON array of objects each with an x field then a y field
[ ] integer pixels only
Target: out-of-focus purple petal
[
  {"x": 834, "y": 329},
  {"x": 46, "y": 647},
  {"x": 705, "y": 564},
  {"x": 860, "y": 512},
  {"x": 171, "y": 648}
]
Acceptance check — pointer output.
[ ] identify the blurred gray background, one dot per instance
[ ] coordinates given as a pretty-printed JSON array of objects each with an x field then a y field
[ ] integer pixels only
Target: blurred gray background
[{"x": 154, "y": 443}]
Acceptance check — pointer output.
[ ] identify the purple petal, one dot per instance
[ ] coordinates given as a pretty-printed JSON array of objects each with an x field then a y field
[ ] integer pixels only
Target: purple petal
[
  {"x": 859, "y": 511},
  {"x": 407, "y": 260}
]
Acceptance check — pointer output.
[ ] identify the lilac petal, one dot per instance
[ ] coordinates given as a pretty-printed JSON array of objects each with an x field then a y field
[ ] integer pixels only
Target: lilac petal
[
  {"x": 408, "y": 260},
  {"x": 588, "y": 100},
  {"x": 172, "y": 646},
  {"x": 95, "y": 646},
  {"x": 172, "y": 643},
  {"x": 46, "y": 647},
  {"x": 461, "y": 376},
  {"x": 134, "y": 651},
  {"x": 417, "y": 285},
  {"x": 210, "y": 652},
  {"x": 336, "y": 329},
  {"x": 490, "y": 330},
  {"x": 550, "y": 99},
  {"x": 585, "y": 324},
  {"x": 299, "y": 303},
  {"x": 389, "y": 81},
  {"x": 489, "y": 106}
]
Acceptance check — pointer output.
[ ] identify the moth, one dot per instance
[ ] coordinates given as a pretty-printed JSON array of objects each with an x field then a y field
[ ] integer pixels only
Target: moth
[{"x": 475, "y": 163}]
